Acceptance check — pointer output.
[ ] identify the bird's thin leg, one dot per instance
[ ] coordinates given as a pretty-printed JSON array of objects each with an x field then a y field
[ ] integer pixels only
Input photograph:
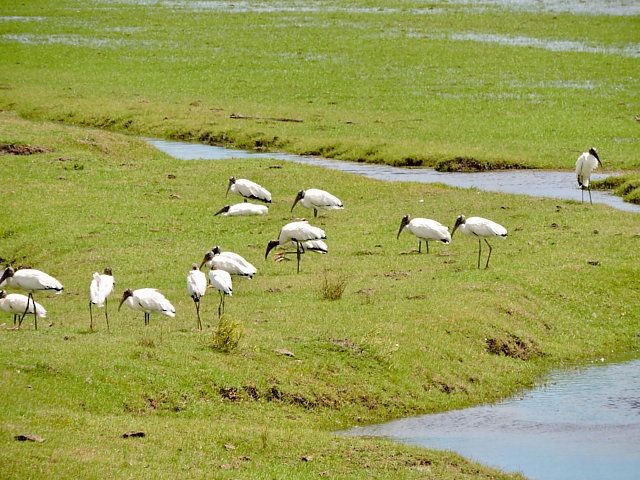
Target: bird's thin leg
[
  {"x": 419, "y": 246},
  {"x": 25, "y": 310},
  {"x": 315, "y": 212},
  {"x": 427, "y": 242},
  {"x": 298, "y": 254},
  {"x": 582, "y": 192},
  {"x": 15, "y": 319},
  {"x": 106, "y": 312},
  {"x": 245, "y": 200},
  {"x": 590, "y": 201},
  {"x": 90, "y": 318},
  {"x": 490, "y": 249},
  {"x": 198, "y": 313},
  {"x": 220, "y": 305},
  {"x": 479, "y": 250}
]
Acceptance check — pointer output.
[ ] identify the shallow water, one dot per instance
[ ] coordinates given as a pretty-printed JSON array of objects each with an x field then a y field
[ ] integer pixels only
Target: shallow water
[
  {"x": 581, "y": 425},
  {"x": 537, "y": 183}
]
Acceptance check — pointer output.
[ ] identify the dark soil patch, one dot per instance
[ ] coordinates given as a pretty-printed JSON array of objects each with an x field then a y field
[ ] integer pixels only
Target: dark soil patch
[
  {"x": 18, "y": 149},
  {"x": 514, "y": 347},
  {"x": 470, "y": 164}
]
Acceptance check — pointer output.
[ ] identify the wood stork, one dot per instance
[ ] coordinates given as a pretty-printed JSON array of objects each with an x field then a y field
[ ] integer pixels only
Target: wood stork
[
  {"x": 425, "y": 229},
  {"x": 197, "y": 287},
  {"x": 99, "y": 291},
  {"x": 481, "y": 228},
  {"x": 148, "y": 300},
  {"x": 587, "y": 163},
  {"x": 296, "y": 232},
  {"x": 242, "y": 209},
  {"x": 31, "y": 280},
  {"x": 317, "y": 246},
  {"x": 248, "y": 189},
  {"x": 317, "y": 199},
  {"x": 221, "y": 281},
  {"x": 230, "y": 262},
  {"x": 17, "y": 303}
]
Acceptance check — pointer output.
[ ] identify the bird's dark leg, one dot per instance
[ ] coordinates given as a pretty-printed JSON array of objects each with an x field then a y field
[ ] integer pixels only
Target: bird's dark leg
[
  {"x": 220, "y": 305},
  {"x": 582, "y": 192},
  {"x": 90, "y": 318},
  {"x": 15, "y": 319},
  {"x": 490, "y": 249},
  {"x": 298, "y": 254},
  {"x": 146, "y": 318},
  {"x": 419, "y": 246},
  {"x": 479, "y": 250},
  {"x": 315, "y": 212},
  {"x": 427, "y": 242},
  {"x": 589, "y": 188},
  {"x": 106, "y": 312},
  {"x": 25, "y": 310},
  {"x": 198, "y": 313},
  {"x": 245, "y": 200}
]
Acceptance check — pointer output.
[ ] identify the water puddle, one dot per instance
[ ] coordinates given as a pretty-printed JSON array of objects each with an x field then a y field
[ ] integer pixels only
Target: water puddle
[
  {"x": 536, "y": 183},
  {"x": 622, "y": 8},
  {"x": 581, "y": 425}
]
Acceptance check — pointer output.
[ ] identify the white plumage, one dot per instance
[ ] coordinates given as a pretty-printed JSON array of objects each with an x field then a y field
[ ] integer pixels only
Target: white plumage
[
  {"x": 221, "y": 281},
  {"x": 228, "y": 261},
  {"x": 148, "y": 300},
  {"x": 585, "y": 165},
  {"x": 100, "y": 288},
  {"x": 481, "y": 228},
  {"x": 298, "y": 233},
  {"x": 197, "y": 287},
  {"x": 248, "y": 189},
  {"x": 16, "y": 303},
  {"x": 425, "y": 229},
  {"x": 318, "y": 200},
  {"x": 242, "y": 209},
  {"x": 31, "y": 280}
]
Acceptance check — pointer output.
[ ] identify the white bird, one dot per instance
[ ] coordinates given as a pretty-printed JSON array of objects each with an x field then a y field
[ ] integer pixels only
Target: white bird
[
  {"x": 298, "y": 233},
  {"x": 425, "y": 229},
  {"x": 148, "y": 300},
  {"x": 31, "y": 280},
  {"x": 17, "y": 303},
  {"x": 318, "y": 200},
  {"x": 221, "y": 280},
  {"x": 318, "y": 246},
  {"x": 587, "y": 163},
  {"x": 99, "y": 290},
  {"x": 242, "y": 209},
  {"x": 197, "y": 287},
  {"x": 481, "y": 228},
  {"x": 228, "y": 261},
  {"x": 248, "y": 189}
]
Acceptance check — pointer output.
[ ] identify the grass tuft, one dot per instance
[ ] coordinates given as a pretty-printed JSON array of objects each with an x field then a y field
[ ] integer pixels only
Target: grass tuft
[
  {"x": 226, "y": 336},
  {"x": 333, "y": 286}
]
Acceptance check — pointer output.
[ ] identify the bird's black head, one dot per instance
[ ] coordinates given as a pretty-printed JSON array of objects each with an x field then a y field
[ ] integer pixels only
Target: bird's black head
[
  {"x": 207, "y": 258},
  {"x": 270, "y": 246},
  {"x": 108, "y": 271},
  {"x": 127, "y": 293},
  {"x": 3, "y": 294},
  {"x": 232, "y": 180},
  {"x": 224, "y": 209},
  {"x": 459, "y": 221},
  {"x": 403, "y": 223},
  {"x": 194, "y": 266},
  {"x": 8, "y": 273},
  {"x": 216, "y": 250},
  {"x": 594, "y": 152},
  {"x": 299, "y": 196}
]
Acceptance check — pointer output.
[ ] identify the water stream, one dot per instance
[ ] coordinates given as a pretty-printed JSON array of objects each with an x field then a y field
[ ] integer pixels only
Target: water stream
[{"x": 537, "y": 183}]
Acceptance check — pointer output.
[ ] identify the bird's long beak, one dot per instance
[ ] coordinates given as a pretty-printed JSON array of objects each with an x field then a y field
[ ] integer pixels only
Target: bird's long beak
[
  {"x": 121, "y": 302},
  {"x": 298, "y": 198},
  {"x": 4, "y": 276},
  {"x": 403, "y": 224},
  {"x": 223, "y": 209},
  {"x": 228, "y": 187},
  {"x": 204, "y": 260},
  {"x": 270, "y": 246}
]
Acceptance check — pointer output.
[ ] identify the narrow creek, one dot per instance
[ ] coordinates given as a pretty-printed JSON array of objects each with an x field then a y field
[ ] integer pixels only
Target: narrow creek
[
  {"x": 582, "y": 424},
  {"x": 537, "y": 183}
]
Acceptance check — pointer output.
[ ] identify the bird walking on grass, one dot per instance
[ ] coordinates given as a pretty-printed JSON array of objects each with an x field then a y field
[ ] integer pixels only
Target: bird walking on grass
[
  {"x": 221, "y": 281},
  {"x": 425, "y": 229},
  {"x": 148, "y": 300},
  {"x": 197, "y": 287},
  {"x": 17, "y": 304},
  {"x": 248, "y": 190},
  {"x": 99, "y": 291},
  {"x": 296, "y": 233},
  {"x": 31, "y": 280},
  {"x": 482, "y": 229},
  {"x": 318, "y": 200},
  {"x": 585, "y": 165}
]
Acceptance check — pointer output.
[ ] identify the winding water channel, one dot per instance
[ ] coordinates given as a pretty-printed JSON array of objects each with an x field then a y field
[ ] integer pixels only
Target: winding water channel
[
  {"x": 582, "y": 424},
  {"x": 536, "y": 183}
]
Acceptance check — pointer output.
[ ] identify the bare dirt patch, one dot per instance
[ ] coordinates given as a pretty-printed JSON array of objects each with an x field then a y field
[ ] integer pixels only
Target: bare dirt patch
[
  {"x": 514, "y": 347},
  {"x": 20, "y": 149}
]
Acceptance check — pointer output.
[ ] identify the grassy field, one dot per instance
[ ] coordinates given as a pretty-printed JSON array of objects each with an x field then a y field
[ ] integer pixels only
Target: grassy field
[{"x": 411, "y": 334}]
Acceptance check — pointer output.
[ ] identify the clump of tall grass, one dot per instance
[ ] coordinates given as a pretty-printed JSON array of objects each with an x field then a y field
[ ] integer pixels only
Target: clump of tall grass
[
  {"x": 333, "y": 286},
  {"x": 226, "y": 336}
]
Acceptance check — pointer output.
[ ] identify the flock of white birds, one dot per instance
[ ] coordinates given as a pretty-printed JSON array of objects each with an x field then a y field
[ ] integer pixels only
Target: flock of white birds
[{"x": 222, "y": 265}]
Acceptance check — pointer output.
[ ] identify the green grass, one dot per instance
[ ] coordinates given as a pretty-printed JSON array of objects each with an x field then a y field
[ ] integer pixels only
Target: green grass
[
  {"x": 371, "y": 81},
  {"x": 410, "y": 334}
]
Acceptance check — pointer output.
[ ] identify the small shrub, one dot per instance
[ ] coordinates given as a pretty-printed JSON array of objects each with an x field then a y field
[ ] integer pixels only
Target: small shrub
[
  {"x": 332, "y": 288},
  {"x": 226, "y": 336}
]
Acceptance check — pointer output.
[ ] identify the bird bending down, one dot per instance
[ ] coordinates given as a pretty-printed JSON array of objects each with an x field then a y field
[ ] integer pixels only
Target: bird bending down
[
  {"x": 99, "y": 290},
  {"x": 248, "y": 189},
  {"x": 197, "y": 287},
  {"x": 31, "y": 280},
  {"x": 17, "y": 303},
  {"x": 299, "y": 233},
  {"x": 242, "y": 209},
  {"x": 230, "y": 262},
  {"x": 318, "y": 200},
  {"x": 148, "y": 300},
  {"x": 481, "y": 228},
  {"x": 221, "y": 281},
  {"x": 425, "y": 229},
  {"x": 587, "y": 163}
]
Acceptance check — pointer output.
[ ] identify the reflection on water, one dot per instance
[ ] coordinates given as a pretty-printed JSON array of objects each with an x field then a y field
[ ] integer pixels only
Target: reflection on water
[
  {"x": 537, "y": 183},
  {"x": 581, "y": 425}
]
